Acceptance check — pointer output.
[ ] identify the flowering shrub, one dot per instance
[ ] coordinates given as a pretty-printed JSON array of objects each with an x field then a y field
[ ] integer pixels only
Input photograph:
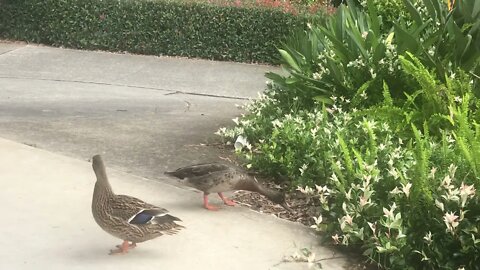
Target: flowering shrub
[
  {"x": 409, "y": 203},
  {"x": 386, "y": 140},
  {"x": 398, "y": 182}
]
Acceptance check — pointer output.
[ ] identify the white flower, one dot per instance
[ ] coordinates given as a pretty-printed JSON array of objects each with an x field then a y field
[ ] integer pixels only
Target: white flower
[
  {"x": 317, "y": 220},
  {"x": 348, "y": 195},
  {"x": 446, "y": 183},
  {"x": 323, "y": 189},
  {"x": 372, "y": 226},
  {"x": 334, "y": 177},
  {"x": 458, "y": 99},
  {"x": 306, "y": 190},
  {"x": 450, "y": 220},
  {"x": 406, "y": 189},
  {"x": 348, "y": 219},
  {"x": 395, "y": 191},
  {"x": 389, "y": 213},
  {"x": 452, "y": 169},
  {"x": 221, "y": 131},
  {"x": 390, "y": 162},
  {"x": 364, "y": 201},
  {"x": 393, "y": 172},
  {"x": 428, "y": 237},
  {"x": 235, "y": 120},
  {"x": 336, "y": 239},
  {"x": 439, "y": 204},
  {"x": 465, "y": 192},
  {"x": 381, "y": 147},
  {"x": 432, "y": 172},
  {"x": 367, "y": 179},
  {"x": 277, "y": 123},
  {"x": 303, "y": 168}
]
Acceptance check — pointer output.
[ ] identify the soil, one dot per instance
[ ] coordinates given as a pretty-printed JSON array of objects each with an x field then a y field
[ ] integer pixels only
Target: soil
[{"x": 303, "y": 209}]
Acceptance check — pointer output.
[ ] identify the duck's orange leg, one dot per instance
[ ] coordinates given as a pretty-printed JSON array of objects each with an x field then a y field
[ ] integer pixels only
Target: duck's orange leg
[
  {"x": 130, "y": 246},
  {"x": 206, "y": 205},
  {"x": 225, "y": 200},
  {"x": 123, "y": 248}
]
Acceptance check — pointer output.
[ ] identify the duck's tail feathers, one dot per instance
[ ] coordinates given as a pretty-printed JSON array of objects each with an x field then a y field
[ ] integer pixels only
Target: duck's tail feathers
[
  {"x": 168, "y": 224},
  {"x": 176, "y": 174}
]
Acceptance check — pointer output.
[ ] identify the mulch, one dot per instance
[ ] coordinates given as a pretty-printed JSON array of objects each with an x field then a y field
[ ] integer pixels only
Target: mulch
[{"x": 303, "y": 208}]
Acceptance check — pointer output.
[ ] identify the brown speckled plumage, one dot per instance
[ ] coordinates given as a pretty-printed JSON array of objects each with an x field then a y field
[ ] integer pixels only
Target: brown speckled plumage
[
  {"x": 126, "y": 217},
  {"x": 218, "y": 178}
]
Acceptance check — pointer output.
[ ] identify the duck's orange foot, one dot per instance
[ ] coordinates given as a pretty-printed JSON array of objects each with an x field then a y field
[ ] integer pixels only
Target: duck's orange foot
[
  {"x": 210, "y": 207},
  {"x": 123, "y": 248},
  {"x": 130, "y": 246},
  {"x": 226, "y": 200},
  {"x": 206, "y": 205},
  {"x": 229, "y": 202}
]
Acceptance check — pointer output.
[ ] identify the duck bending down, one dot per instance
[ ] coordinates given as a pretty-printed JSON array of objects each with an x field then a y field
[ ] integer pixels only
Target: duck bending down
[
  {"x": 126, "y": 217},
  {"x": 218, "y": 178}
]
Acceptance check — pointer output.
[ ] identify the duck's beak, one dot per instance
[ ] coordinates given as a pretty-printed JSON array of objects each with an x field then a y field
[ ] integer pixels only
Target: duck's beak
[{"x": 285, "y": 205}]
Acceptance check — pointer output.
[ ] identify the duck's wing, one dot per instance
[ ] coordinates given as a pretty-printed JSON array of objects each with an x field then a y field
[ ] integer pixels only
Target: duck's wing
[
  {"x": 130, "y": 208},
  {"x": 198, "y": 170}
]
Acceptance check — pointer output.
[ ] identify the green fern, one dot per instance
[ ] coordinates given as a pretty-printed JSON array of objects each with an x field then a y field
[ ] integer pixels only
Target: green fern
[
  {"x": 422, "y": 157},
  {"x": 346, "y": 155}
]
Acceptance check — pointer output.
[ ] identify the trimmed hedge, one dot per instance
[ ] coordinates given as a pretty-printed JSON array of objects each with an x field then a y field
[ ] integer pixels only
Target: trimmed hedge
[{"x": 151, "y": 27}]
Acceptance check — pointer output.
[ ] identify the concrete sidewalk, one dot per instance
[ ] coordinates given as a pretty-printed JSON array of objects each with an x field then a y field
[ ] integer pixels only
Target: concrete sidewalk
[
  {"x": 48, "y": 224},
  {"x": 144, "y": 115}
]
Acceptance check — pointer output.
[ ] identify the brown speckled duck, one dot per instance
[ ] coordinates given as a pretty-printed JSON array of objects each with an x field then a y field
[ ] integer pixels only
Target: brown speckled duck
[
  {"x": 218, "y": 178},
  {"x": 125, "y": 217}
]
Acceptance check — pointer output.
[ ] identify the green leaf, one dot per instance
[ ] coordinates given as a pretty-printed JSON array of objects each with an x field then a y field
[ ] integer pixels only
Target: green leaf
[
  {"x": 372, "y": 10},
  {"x": 413, "y": 12},
  {"x": 323, "y": 99},
  {"x": 289, "y": 59}
]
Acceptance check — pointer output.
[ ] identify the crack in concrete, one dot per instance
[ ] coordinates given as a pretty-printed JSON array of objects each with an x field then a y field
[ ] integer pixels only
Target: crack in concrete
[
  {"x": 171, "y": 92},
  {"x": 9, "y": 51}
]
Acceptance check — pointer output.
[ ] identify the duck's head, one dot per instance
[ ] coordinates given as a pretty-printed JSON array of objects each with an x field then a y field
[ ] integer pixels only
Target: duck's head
[
  {"x": 279, "y": 198},
  {"x": 275, "y": 196}
]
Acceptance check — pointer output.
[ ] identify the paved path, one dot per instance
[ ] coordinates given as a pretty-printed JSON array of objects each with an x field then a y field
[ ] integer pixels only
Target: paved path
[{"x": 144, "y": 114}]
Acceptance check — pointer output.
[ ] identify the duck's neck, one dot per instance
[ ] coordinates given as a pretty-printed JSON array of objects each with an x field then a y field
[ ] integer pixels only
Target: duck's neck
[
  {"x": 256, "y": 187},
  {"x": 102, "y": 190}
]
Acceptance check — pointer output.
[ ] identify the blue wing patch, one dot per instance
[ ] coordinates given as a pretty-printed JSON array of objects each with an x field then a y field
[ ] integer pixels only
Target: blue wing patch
[{"x": 141, "y": 218}]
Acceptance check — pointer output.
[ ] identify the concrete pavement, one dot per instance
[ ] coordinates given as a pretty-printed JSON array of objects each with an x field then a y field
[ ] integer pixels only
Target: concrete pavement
[
  {"x": 47, "y": 222},
  {"x": 144, "y": 114},
  {"x": 164, "y": 108}
]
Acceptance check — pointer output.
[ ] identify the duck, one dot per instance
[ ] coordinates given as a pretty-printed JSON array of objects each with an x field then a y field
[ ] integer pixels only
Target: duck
[
  {"x": 219, "y": 178},
  {"x": 127, "y": 218}
]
